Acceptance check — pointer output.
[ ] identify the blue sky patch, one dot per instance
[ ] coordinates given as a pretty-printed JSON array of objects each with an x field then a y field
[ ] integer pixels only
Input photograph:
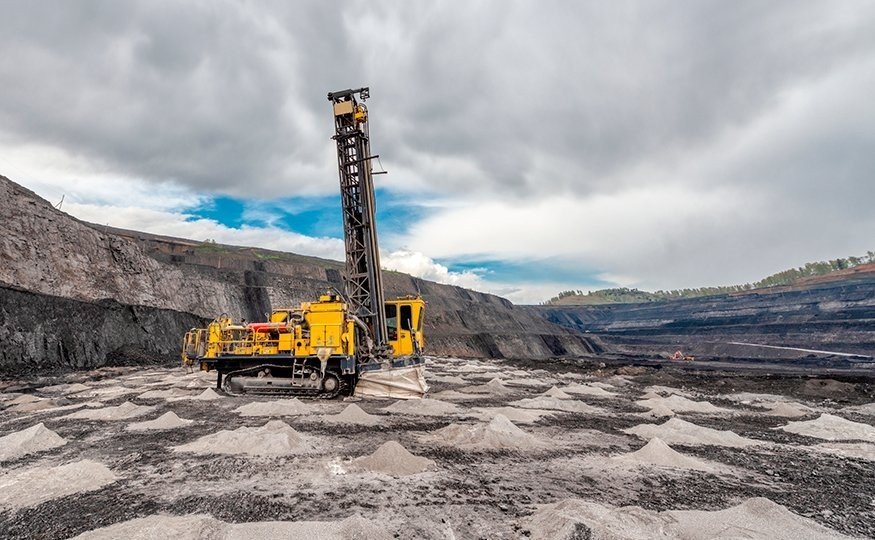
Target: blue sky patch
[
  {"x": 535, "y": 271},
  {"x": 318, "y": 216}
]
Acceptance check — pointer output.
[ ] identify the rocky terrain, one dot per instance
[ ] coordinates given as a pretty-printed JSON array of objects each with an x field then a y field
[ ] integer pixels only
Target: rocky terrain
[
  {"x": 500, "y": 449},
  {"x": 830, "y": 313},
  {"x": 76, "y": 295}
]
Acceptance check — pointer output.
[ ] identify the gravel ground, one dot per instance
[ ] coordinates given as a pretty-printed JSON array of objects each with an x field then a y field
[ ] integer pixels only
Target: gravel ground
[{"x": 483, "y": 494}]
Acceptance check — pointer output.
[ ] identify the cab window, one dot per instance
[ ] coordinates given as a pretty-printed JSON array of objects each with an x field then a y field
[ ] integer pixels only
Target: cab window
[
  {"x": 406, "y": 317},
  {"x": 392, "y": 321}
]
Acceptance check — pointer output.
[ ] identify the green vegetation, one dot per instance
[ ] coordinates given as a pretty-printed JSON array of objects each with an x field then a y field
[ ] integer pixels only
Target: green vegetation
[{"x": 623, "y": 295}]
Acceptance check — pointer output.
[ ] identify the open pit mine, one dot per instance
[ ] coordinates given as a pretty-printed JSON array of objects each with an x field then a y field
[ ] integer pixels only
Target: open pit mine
[{"x": 155, "y": 387}]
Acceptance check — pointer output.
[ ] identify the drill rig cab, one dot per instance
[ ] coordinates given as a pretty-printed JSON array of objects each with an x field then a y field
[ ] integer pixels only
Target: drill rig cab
[{"x": 354, "y": 342}]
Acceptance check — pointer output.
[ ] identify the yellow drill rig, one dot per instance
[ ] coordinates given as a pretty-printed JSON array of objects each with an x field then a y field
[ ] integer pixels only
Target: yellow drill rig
[{"x": 357, "y": 342}]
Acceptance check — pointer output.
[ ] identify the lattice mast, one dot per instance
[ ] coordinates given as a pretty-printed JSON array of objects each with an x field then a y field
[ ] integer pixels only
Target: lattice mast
[{"x": 362, "y": 278}]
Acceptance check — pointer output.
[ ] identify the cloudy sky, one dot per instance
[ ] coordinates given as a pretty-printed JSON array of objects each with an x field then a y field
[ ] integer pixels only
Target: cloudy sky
[{"x": 531, "y": 147}]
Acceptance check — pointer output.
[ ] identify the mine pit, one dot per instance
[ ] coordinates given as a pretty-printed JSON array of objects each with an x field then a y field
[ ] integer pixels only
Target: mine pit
[{"x": 499, "y": 458}]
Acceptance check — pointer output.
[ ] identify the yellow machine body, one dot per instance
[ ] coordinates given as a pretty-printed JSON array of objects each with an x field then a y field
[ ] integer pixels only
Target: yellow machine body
[{"x": 320, "y": 329}]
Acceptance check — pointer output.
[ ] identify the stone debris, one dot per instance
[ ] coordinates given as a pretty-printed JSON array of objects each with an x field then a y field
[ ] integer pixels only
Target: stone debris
[
  {"x": 23, "y": 399},
  {"x": 680, "y": 404},
  {"x": 786, "y": 409},
  {"x": 668, "y": 391},
  {"x": 65, "y": 388},
  {"x": 122, "y": 412},
  {"x": 24, "y": 488},
  {"x": 448, "y": 379},
  {"x": 657, "y": 453},
  {"x": 756, "y": 518},
  {"x": 554, "y": 392},
  {"x": 353, "y": 414},
  {"x": 164, "y": 394},
  {"x": 495, "y": 387},
  {"x": 832, "y": 428},
  {"x": 499, "y": 434},
  {"x": 677, "y": 431},
  {"x": 424, "y": 407},
  {"x": 530, "y": 381},
  {"x": 750, "y": 398},
  {"x": 588, "y": 390},
  {"x": 657, "y": 411},
  {"x": 393, "y": 459},
  {"x": 556, "y": 404},
  {"x": 207, "y": 395},
  {"x": 29, "y": 441},
  {"x": 105, "y": 392},
  {"x": 279, "y": 407},
  {"x": 201, "y": 527},
  {"x": 452, "y": 395},
  {"x": 867, "y": 409},
  {"x": 864, "y": 451},
  {"x": 519, "y": 416},
  {"x": 36, "y": 406},
  {"x": 275, "y": 438},
  {"x": 168, "y": 420}
]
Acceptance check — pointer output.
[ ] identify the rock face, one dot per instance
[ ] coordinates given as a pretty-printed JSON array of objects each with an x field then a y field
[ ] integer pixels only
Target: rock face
[
  {"x": 77, "y": 295},
  {"x": 831, "y": 314}
]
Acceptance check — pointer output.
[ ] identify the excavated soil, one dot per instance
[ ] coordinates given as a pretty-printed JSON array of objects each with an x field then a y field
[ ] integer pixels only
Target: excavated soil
[{"x": 569, "y": 454}]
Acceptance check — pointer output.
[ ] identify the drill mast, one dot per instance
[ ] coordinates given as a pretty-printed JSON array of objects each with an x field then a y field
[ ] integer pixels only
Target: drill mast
[{"x": 362, "y": 279}]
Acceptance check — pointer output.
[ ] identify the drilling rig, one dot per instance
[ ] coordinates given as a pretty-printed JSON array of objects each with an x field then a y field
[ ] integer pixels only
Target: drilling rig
[{"x": 341, "y": 343}]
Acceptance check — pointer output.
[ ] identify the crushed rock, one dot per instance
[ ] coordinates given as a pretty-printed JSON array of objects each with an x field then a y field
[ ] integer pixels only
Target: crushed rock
[
  {"x": 199, "y": 527},
  {"x": 529, "y": 381},
  {"x": 122, "y": 412},
  {"x": 521, "y": 416},
  {"x": 25, "y": 398},
  {"x": 499, "y": 434},
  {"x": 163, "y": 394},
  {"x": 393, "y": 459},
  {"x": 424, "y": 407},
  {"x": 279, "y": 407},
  {"x": 275, "y": 438},
  {"x": 657, "y": 453},
  {"x": 448, "y": 379},
  {"x": 495, "y": 387},
  {"x": 105, "y": 392},
  {"x": 588, "y": 390},
  {"x": 786, "y": 409},
  {"x": 557, "y": 393},
  {"x": 29, "y": 441},
  {"x": 207, "y": 395},
  {"x": 69, "y": 388},
  {"x": 556, "y": 404},
  {"x": 353, "y": 414},
  {"x": 867, "y": 409},
  {"x": 677, "y": 431},
  {"x": 657, "y": 411},
  {"x": 668, "y": 391},
  {"x": 24, "y": 488},
  {"x": 35, "y": 406},
  {"x": 863, "y": 451},
  {"x": 680, "y": 404},
  {"x": 751, "y": 398},
  {"x": 168, "y": 420},
  {"x": 756, "y": 518},
  {"x": 453, "y": 395},
  {"x": 832, "y": 428}
]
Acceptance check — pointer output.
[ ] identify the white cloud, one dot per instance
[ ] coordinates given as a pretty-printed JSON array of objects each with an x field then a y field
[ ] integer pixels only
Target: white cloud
[{"x": 419, "y": 265}]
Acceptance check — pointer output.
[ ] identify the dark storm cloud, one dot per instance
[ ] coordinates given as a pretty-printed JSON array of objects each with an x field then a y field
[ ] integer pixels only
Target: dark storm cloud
[{"x": 505, "y": 98}]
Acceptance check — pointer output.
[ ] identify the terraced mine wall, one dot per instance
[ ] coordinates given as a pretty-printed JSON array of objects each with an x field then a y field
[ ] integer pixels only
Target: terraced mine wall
[
  {"x": 67, "y": 286},
  {"x": 836, "y": 315}
]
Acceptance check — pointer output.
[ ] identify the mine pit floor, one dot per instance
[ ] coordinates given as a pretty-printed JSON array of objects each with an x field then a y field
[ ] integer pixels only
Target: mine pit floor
[{"x": 300, "y": 467}]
